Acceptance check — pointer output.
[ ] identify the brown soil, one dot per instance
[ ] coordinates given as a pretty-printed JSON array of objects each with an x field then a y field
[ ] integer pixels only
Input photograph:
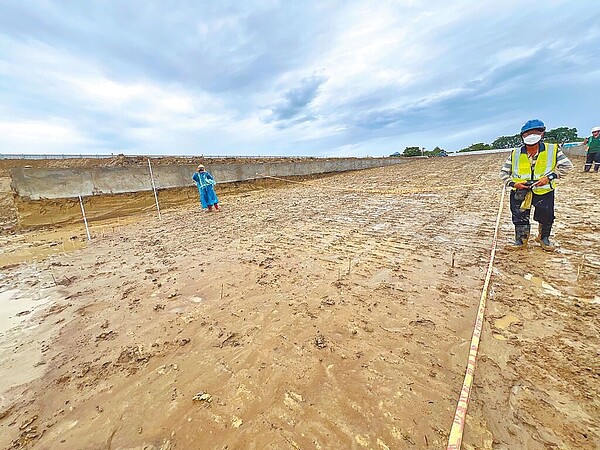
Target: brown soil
[
  {"x": 120, "y": 160},
  {"x": 307, "y": 317}
]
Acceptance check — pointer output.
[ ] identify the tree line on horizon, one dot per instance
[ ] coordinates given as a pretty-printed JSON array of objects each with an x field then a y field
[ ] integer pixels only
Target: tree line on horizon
[{"x": 555, "y": 136}]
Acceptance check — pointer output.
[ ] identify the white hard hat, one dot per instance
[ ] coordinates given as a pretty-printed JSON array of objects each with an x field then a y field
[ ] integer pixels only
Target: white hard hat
[{"x": 595, "y": 129}]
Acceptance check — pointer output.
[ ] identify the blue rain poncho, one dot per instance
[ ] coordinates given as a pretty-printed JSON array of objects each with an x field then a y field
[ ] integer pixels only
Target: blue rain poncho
[{"x": 205, "y": 183}]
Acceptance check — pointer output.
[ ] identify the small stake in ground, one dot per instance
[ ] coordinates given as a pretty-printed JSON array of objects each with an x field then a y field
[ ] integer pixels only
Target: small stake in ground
[
  {"x": 453, "y": 258},
  {"x": 154, "y": 189},
  {"x": 87, "y": 230},
  {"x": 580, "y": 267}
]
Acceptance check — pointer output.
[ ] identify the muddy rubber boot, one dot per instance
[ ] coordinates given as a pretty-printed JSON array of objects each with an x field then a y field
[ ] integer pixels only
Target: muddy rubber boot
[
  {"x": 521, "y": 236},
  {"x": 545, "y": 238},
  {"x": 538, "y": 238}
]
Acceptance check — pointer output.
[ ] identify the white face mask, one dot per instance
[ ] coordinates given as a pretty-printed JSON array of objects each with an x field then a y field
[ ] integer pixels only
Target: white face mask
[{"x": 532, "y": 139}]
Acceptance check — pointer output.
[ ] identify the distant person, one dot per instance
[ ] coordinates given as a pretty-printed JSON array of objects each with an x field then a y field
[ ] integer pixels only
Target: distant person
[
  {"x": 531, "y": 172},
  {"x": 206, "y": 183},
  {"x": 592, "y": 144}
]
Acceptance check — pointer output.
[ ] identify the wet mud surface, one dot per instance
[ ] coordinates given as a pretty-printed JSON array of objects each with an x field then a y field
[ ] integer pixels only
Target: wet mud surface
[{"x": 306, "y": 316}]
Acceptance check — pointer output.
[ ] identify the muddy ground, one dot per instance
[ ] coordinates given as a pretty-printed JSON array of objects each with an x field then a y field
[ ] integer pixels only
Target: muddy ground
[{"x": 307, "y": 316}]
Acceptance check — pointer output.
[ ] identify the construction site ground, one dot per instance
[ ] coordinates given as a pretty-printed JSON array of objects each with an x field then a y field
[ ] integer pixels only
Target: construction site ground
[{"x": 334, "y": 314}]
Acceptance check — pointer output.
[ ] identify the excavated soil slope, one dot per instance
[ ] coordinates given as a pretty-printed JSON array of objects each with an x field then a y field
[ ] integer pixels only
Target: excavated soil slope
[
  {"x": 310, "y": 317},
  {"x": 34, "y": 213}
]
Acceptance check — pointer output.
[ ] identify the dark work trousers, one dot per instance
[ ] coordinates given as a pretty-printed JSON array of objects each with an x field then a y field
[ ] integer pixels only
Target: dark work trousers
[
  {"x": 592, "y": 158},
  {"x": 544, "y": 209}
]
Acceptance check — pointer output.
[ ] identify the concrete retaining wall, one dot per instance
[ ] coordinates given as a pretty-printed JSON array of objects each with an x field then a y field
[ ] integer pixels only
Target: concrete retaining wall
[
  {"x": 578, "y": 150},
  {"x": 37, "y": 184}
]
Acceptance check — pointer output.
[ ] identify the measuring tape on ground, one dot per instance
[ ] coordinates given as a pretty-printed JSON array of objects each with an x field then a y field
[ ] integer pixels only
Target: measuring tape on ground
[{"x": 458, "y": 424}]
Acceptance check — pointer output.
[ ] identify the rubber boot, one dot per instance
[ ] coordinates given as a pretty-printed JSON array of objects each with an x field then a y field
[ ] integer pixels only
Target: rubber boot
[
  {"x": 521, "y": 236},
  {"x": 545, "y": 238},
  {"x": 587, "y": 167},
  {"x": 209, "y": 209},
  {"x": 538, "y": 238},
  {"x": 216, "y": 205}
]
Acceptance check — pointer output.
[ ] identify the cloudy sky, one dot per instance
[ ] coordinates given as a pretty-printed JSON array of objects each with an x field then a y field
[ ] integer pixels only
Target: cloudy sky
[{"x": 268, "y": 77}]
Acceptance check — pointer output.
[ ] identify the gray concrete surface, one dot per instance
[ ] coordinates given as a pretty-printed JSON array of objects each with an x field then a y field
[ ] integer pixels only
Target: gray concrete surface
[
  {"x": 37, "y": 184},
  {"x": 578, "y": 150}
]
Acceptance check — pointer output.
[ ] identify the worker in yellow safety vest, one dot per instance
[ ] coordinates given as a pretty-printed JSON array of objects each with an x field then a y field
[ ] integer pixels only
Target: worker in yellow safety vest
[{"x": 531, "y": 171}]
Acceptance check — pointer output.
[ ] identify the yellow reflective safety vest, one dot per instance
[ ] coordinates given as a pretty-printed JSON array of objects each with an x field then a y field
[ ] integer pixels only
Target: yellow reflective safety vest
[{"x": 544, "y": 165}]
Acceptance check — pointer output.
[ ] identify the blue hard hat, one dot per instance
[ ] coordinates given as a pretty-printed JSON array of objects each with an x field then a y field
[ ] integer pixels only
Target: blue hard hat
[{"x": 532, "y": 125}]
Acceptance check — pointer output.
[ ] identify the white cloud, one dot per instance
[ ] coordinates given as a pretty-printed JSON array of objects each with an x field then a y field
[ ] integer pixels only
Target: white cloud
[
  {"x": 334, "y": 76},
  {"x": 42, "y": 136}
]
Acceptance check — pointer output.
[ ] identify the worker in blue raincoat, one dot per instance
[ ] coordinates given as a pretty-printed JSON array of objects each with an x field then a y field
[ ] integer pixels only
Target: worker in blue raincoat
[{"x": 206, "y": 183}]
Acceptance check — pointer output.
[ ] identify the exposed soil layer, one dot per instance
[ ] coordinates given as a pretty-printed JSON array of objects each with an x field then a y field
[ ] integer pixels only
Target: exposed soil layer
[
  {"x": 309, "y": 317},
  {"x": 49, "y": 213},
  {"x": 17, "y": 213}
]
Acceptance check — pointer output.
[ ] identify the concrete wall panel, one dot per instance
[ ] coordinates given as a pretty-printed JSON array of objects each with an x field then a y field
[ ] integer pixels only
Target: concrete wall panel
[
  {"x": 37, "y": 184},
  {"x": 578, "y": 150}
]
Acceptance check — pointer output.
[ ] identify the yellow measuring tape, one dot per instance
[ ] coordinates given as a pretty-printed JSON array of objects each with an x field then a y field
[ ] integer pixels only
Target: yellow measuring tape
[
  {"x": 458, "y": 425},
  {"x": 373, "y": 191}
]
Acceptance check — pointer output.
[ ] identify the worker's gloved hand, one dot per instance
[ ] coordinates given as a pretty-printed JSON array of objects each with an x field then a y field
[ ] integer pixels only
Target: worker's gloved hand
[
  {"x": 521, "y": 186},
  {"x": 542, "y": 181}
]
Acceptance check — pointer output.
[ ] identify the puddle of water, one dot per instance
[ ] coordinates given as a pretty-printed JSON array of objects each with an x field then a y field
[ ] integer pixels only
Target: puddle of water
[
  {"x": 504, "y": 322},
  {"x": 379, "y": 227},
  {"x": 593, "y": 301},
  {"x": 24, "y": 365},
  {"x": 548, "y": 288},
  {"x": 535, "y": 280},
  {"x": 36, "y": 246},
  {"x": 13, "y": 302}
]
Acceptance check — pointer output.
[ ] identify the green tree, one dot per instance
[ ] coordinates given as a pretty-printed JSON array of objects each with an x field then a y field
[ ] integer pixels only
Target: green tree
[
  {"x": 412, "y": 151},
  {"x": 562, "y": 134},
  {"x": 507, "y": 141},
  {"x": 476, "y": 147},
  {"x": 555, "y": 136}
]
